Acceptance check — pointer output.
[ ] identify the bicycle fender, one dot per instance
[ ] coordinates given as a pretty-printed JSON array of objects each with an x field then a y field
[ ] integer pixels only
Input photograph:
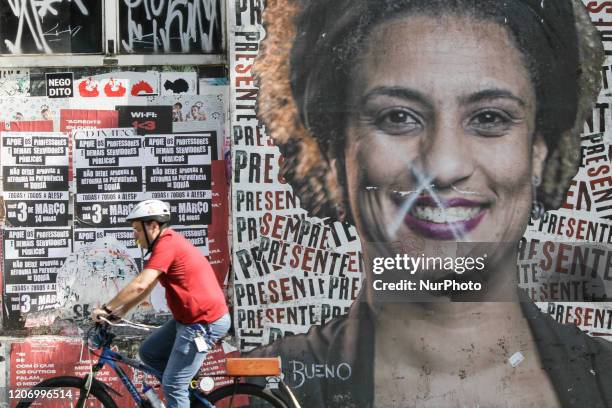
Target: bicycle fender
[{"x": 288, "y": 392}]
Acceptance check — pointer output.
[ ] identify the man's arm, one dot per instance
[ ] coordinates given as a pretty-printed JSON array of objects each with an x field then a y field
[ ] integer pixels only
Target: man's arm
[
  {"x": 132, "y": 294},
  {"x": 122, "y": 310}
]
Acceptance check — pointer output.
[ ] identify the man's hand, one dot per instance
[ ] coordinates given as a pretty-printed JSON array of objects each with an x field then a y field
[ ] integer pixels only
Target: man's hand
[
  {"x": 97, "y": 313},
  {"x": 103, "y": 311}
]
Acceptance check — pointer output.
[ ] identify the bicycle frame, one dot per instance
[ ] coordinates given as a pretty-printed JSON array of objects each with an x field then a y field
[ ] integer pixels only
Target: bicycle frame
[
  {"x": 111, "y": 358},
  {"x": 103, "y": 339}
]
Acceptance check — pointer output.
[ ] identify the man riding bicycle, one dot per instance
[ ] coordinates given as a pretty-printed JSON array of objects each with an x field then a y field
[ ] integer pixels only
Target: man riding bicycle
[{"x": 200, "y": 314}]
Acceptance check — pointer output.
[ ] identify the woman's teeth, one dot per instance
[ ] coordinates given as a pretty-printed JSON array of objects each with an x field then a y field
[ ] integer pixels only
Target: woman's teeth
[{"x": 444, "y": 215}]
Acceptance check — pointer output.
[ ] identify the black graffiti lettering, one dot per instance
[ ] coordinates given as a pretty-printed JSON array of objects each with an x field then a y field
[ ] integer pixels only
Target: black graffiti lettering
[
  {"x": 264, "y": 246},
  {"x": 329, "y": 312},
  {"x": 304, "y": 231},
  {"x": 606, "y": 37},
  {"x": 250, "y": 338},
  {"x": 343, "y": 288},
  {"x": 249, "y": 36},
  {"x": 276, "y": 334},
  {"x": 282, "y": 254},
  {"x": 562, "y": 291},
  {"x": 298, "y": 315},
  {"x": 247, "y": 94},
  {"x": 239, "y": 290},
  {"x": 599, "y": 114},
  {"x": 605, "y": 71},
  {"x": 248, "y": 225},
  {"x": 253, "y": 7},
  {"x": 244, "y": 261},
  {"x": 81, "y": 311},
  {"x": 248, "y": 135},
  {"x": 595, "y": 317},
  {"x": 603, "y": 111},
  {"x": 533, "y": 246},
  {"x": 254, "y": 162},
  {"x": 578, "y": 198},
  {"x": 247, "y": 259},
  {"x": 525, "y": 276},
  {"x": 283, "y": 289},
  {"x": 248, "y": 318}
]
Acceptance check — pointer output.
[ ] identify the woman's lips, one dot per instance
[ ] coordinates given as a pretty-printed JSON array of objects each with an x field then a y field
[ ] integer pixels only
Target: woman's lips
[{"x": 445, "y": 219}]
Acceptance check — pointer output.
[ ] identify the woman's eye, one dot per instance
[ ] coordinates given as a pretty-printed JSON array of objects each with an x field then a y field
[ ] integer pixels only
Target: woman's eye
[
  {"x": 397, "y": 121},
  {"x": 490, "y": 123}
]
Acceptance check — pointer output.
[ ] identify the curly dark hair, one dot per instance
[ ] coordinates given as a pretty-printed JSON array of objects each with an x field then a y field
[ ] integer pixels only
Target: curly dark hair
[{"x": 303, "y": 102}]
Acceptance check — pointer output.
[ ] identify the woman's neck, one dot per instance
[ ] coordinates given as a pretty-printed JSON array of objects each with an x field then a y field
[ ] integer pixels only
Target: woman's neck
[{"x": 438, "y": 333}]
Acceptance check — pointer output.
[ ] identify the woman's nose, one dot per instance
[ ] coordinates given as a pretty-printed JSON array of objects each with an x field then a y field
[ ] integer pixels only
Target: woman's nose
[{"x": 445, "y": 157}]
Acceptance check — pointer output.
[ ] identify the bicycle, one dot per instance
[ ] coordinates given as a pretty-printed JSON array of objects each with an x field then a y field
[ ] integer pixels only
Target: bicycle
[{"x": 85, "y": 390}]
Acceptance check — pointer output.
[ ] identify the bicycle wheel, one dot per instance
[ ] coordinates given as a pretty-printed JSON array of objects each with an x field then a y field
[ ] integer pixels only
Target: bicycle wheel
[
  {"x": 246, "y": 395},
  {"x": 64, "y": 392}
]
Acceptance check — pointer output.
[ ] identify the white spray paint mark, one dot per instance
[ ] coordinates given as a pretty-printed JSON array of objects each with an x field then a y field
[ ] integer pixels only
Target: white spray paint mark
[
  {"x": 71, "y": 30},
  {"x": 46, "y": 6},
  {"x": 31, "y": 13},
  {"x": 424, "y": 184},
  {"x": 188, "y": 15},
  {"x": 516, "y": 359},
  {"x": 458, "y": 232},
  {"x": 407, "y": 205}
]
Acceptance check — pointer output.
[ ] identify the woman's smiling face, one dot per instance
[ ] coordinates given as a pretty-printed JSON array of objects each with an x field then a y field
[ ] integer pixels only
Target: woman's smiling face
[{"x": 440, "y": 141}]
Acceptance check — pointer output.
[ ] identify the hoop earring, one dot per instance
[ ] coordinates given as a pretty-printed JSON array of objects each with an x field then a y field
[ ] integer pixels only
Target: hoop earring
[{"x": 537, "y": 208}]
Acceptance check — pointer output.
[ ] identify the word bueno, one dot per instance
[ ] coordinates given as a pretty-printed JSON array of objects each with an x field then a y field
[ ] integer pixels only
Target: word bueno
[{"x": 301, "y": 372}]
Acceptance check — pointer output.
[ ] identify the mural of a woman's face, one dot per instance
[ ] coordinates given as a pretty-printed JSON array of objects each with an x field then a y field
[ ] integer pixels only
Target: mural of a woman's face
[{"x": 440, "y": 141}]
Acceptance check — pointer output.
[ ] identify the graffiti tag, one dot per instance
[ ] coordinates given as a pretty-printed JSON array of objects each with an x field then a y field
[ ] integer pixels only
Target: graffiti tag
[{"x": 170, "y": 26}]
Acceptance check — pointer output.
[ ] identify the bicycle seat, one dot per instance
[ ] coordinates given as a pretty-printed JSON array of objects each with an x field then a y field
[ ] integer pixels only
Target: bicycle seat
[{"x": 253, "y": 367}]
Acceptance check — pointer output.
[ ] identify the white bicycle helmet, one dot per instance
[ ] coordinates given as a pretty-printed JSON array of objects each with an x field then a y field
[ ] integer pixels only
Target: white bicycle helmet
[{"x": 150, "y": 210}]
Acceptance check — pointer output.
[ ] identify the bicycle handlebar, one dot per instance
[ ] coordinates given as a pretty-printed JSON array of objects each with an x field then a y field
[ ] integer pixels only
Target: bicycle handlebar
[{"x": 99, "y": 336}]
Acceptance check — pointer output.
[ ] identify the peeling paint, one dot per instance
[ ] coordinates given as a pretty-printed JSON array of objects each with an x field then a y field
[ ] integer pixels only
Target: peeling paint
[{"x": 87, "y": 278}]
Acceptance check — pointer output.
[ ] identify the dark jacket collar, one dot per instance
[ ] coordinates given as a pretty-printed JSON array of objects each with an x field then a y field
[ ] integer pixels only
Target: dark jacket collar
[{"x": 580, "y": 367}]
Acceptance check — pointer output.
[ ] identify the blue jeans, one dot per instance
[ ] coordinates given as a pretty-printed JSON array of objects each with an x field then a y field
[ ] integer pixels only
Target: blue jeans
[{"x": 172, "y": 351}]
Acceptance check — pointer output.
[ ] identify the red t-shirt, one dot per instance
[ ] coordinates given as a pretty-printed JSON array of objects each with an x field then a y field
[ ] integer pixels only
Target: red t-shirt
[{"x": 192, "y": 290}]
